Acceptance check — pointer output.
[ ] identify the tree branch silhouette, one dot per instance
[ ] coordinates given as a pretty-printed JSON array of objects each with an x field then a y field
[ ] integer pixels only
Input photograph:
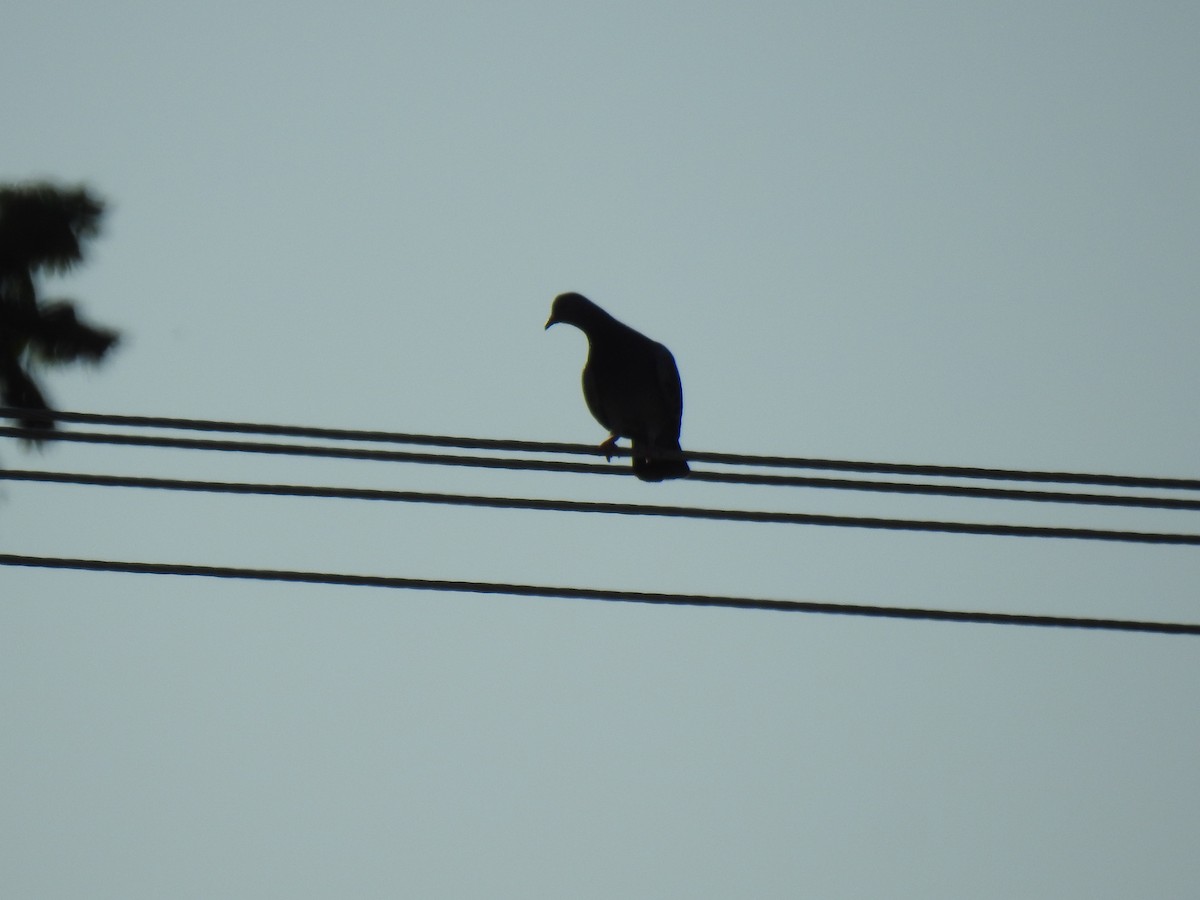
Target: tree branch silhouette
[{"x": 43, "y": 229}]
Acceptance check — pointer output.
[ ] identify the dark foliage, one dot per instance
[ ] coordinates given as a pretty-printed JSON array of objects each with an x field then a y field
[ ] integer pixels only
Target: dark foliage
[{"x": 43, "y": 229}]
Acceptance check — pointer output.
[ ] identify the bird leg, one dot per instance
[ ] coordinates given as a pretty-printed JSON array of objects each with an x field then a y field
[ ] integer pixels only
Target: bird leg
[{"x": 610, "y": 446}]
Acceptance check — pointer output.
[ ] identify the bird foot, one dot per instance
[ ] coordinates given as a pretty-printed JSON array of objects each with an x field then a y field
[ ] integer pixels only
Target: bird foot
[{"x": 609, "y": 447}]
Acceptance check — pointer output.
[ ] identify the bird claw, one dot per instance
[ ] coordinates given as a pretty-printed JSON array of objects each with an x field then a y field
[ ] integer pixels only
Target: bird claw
[{"x": 609, "y": 447}]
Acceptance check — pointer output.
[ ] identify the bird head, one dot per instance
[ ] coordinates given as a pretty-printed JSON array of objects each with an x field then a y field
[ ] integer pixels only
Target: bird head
[{"x": 572, "y": 308}]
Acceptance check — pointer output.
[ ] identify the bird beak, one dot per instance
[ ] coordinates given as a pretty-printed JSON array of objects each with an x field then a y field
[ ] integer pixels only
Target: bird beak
[{"x": 550, "y": 321}]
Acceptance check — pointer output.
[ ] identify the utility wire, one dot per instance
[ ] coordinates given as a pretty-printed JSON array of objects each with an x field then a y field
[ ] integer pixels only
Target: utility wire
[
  {"x": 636, "y": 509},
  {"x": 360, "y": 453},
  {"x": 541, "y": 465},
  {"x": 571, "y": 593},
  {"x": 910, "y": 469}
]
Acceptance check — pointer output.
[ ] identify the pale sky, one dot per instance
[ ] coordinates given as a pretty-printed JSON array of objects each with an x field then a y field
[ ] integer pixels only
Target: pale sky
[{"x": 955, "y": 233}]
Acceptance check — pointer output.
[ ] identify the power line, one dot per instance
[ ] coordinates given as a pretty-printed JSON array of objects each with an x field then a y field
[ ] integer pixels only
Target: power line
[
  {"x": 636, "y": 509},
  {"x": 540, "y": 465},
  {"x": 572, "y": 593},
  {"x": 359, "y": 453},
  {"x": 503, "y": 445}
]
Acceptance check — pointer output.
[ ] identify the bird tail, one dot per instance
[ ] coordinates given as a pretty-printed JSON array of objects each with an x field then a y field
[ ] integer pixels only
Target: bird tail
[{"x": 648, "y": 465}]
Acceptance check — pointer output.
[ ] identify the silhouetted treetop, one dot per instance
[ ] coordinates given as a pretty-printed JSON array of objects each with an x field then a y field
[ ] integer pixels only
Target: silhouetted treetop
[
  {"x": 42, "y": 229},
  {"x": 43, "y": 226}
]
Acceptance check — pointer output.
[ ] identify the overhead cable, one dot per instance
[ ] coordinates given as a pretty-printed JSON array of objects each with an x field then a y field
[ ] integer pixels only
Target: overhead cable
[
  {"x": 504, "y": 445},
  {"x": 637, "y": 509},
  {"x": 542, "y": 465},
  {"x": 575, "y": 593}
]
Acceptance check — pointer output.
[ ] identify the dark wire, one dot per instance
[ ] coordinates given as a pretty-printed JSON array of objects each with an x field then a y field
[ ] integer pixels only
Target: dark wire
[
  {"x": 792, "y": 462},
  {"x": 540, "y": 465},
  {"x": 635, "y": 509},
  {"x": 571, "y": 593}
]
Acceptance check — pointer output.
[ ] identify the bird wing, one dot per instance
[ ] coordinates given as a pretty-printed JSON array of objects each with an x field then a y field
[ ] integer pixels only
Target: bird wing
[
  {"x": 670, "y": 391},
  {"x": 632, "y": 387}
]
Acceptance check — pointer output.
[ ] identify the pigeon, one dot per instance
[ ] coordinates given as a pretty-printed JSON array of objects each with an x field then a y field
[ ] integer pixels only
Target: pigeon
[{"x": 631, "y": 386}]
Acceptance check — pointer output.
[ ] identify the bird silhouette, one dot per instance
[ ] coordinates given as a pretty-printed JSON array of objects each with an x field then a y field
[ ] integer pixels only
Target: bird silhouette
[{"x": 631, "y": 386}]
